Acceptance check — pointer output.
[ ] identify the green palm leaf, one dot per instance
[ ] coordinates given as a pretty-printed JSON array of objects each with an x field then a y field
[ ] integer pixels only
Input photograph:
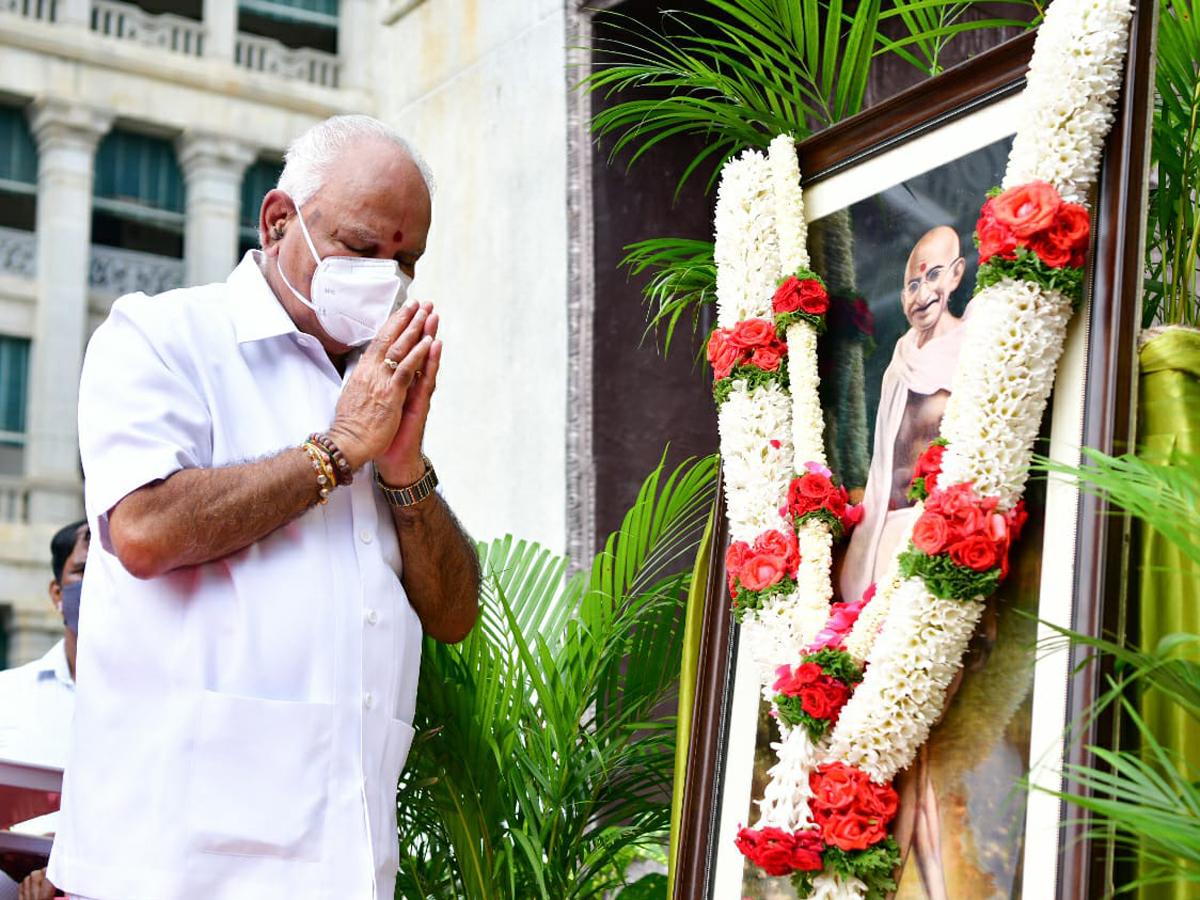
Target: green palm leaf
[
  {"x": 543, "y": 760},
  {"x": 1173, "y": 238}
]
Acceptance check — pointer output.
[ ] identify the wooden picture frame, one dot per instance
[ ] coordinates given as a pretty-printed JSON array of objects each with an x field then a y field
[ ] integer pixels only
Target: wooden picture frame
[{"x": 1096, "y": 384}]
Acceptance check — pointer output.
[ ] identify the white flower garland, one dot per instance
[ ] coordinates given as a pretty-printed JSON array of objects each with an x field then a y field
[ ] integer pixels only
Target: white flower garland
[
  {"x": 747, "y": 248},
  {"x": 756, "y": 452},
  {"x": 913, "y": 640},
  {"x": 1068, "y": 104}
]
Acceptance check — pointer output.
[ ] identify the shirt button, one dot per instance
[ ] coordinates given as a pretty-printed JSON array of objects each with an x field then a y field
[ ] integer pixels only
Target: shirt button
[
  {"x": 372, "y": 617},
  {"x": 365, "y": 536},
  {"x": 368, "y": 701}
]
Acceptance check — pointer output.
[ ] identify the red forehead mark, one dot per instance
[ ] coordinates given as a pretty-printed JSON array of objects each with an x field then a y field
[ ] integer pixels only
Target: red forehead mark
[
  {"x": 397, "y": 237},
  {"x": 922, "y": 267}
]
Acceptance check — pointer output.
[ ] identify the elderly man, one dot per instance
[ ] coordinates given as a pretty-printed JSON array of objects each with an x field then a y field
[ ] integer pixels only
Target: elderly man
[
  {"x": 912, "y": 398},
  {"x": 270, "y": 551}
]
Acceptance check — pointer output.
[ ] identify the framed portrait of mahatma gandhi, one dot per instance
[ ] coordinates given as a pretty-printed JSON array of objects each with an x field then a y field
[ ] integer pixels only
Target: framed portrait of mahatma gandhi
[{"x": 891, "y": 199}]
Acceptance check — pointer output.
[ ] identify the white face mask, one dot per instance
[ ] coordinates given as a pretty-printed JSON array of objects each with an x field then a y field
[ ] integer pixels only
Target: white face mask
[{"x": 351, "y": 296}]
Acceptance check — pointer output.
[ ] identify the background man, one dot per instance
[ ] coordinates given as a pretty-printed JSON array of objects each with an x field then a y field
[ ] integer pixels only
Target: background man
[
  {"x": 37, "y": 700},
  {"x": 913, "y": 395},
  {"x": 257, "y": 600}
]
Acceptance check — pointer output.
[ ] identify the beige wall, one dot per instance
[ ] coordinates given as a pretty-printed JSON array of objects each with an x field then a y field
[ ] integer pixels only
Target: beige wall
[{"x": 480, "y": 87}]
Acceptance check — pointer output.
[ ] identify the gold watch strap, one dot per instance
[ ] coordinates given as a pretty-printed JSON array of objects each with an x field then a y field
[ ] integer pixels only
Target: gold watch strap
[{"x": 415, "y": 492}]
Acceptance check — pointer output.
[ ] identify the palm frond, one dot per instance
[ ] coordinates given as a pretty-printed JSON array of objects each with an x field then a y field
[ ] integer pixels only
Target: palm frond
[
  {"x": 1173, "y": 233},
  {"x": 1165, "y": 496},
  {"x": 541, "y": 759}
]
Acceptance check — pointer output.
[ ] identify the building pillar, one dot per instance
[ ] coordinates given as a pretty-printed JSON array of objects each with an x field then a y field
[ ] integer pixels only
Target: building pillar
[
  {"x": 355, "y": 30},
  {"x": 220, "y": 27},
  {"x": 66, "y": 135},
  {"x": 213, "y": 168}
]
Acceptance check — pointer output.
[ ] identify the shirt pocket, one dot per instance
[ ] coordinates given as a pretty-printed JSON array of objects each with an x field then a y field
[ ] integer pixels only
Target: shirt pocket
[{"x": 259, "y": 777}]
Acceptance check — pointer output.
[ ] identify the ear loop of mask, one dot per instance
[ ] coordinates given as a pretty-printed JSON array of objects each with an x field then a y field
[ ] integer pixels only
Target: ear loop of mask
[{"x": 308, "y": 239}]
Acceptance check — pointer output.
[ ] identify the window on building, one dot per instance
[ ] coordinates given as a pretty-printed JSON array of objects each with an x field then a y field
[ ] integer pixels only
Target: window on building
[
  {"x": 14, "y": 373},
  {"x": 18, "y": 170},
  {"x": 260, "y": 178},
  {"x": 294, "y": 23},
  {"x": 138, "y": 202}
]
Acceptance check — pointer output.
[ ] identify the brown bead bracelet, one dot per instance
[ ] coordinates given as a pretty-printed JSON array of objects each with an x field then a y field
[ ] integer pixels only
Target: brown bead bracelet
[{"x": 345, "y": 473}]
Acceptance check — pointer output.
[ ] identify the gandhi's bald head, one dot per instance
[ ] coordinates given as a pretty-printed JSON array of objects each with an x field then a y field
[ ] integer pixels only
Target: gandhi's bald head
[{"x": 935, "y": 268}]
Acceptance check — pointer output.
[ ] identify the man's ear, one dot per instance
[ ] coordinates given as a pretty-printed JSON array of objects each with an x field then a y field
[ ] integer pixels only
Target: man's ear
[
  {"x": 56, "y": 596},
  {"x": 274, "y": 214},
  {"x": 956, "y": 273}
]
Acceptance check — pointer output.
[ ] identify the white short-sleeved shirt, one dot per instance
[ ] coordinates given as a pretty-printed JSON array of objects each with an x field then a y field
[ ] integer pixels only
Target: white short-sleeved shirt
[
  {"x": 240, "y": 725},
  {"x": 37, "y": 701}
]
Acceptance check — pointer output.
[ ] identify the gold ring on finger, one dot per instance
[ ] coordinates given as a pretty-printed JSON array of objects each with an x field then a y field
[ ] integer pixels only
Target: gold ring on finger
[{"x": 392, "y": 364}]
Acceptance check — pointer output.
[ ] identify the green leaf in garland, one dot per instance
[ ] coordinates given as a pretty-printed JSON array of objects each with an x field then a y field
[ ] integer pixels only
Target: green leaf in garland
[
  {"x": 873, "y": 866},
  {"x": 791, "y": 711},
  {"x": 753, "y": 376},
  {"x": 947, "y": 579},
  {"x": 836, "y": 664},
  {"x": 835, "y": 524},
  {"x": 783, "y": 321},
  {"x": 748, "y": 600},
  {"x": 917, "y": 491},
  {"x": 1028, "y": 266}
]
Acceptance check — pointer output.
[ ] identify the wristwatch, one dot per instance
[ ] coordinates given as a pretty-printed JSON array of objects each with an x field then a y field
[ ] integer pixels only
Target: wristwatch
[{"x": 415, "y": 492}]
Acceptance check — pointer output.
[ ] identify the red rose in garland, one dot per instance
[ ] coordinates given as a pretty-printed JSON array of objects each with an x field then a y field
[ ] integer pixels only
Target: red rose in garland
[
  {"x": 851, "y": 832},
  {"x": 810, "y": 487},
  {"x": 931, "y": 533},
  {"x": 1027, "y": 209},
  {"x": 767, "y": 358},
  {"x": 723, "y": 354},
  {"x": 735, "y": 558},
  {"x": 926, "y": 471},
  {"x": 1050, "y": 252},
  {"x": 960, "y": 542},
  {"x": 787, "y": 296},
  {"x": 752, "y": 333},
  {"x": 994, "y": 239},
  {"x": 778, "y": 852},
  {"x": 879, "y": 800},
  {"x": 800, "y": 295},
  {"x": 852, "y": 810},
  {"x": 815, "y": 494},
  {"x": 761, "y": 570},
  {"x": 1069, "y": 234},
  {"x": 834, "y": 786},
  {"x": 806, "y": 852},
  {"x": 776, "y": 543},
  {"x": 824, "y": 699}
]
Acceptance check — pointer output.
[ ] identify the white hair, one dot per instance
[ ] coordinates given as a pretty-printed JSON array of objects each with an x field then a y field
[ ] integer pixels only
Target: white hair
[{"x": 307, "y": 160}]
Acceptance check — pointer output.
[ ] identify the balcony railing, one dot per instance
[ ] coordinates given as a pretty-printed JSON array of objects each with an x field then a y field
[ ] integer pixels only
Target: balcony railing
[
  {"x": 18, "y": 252},
  {"x": 130, "y": 23},
  {"x": 115, "y": 272},
  {"x": 262, "y": 54},
  {"x": 42, "y": 10},
  {"x": 111, "y": 270}
]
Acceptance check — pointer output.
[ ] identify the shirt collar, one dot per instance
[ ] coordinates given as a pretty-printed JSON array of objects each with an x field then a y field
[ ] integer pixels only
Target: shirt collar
[
  {"x": 257, "y": 312},
  {"x": 54, "y": 664}
]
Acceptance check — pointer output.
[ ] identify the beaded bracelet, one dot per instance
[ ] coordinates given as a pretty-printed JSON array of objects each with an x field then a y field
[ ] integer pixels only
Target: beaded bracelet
[
  {"x": 345, "y": 473},
  {"x": 326, "y": 480}
]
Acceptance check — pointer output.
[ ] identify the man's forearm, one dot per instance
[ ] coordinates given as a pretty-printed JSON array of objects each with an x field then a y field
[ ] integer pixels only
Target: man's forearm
[
  {"x": 200, "y": 515},
  {"x": 441, "y": 568}
]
